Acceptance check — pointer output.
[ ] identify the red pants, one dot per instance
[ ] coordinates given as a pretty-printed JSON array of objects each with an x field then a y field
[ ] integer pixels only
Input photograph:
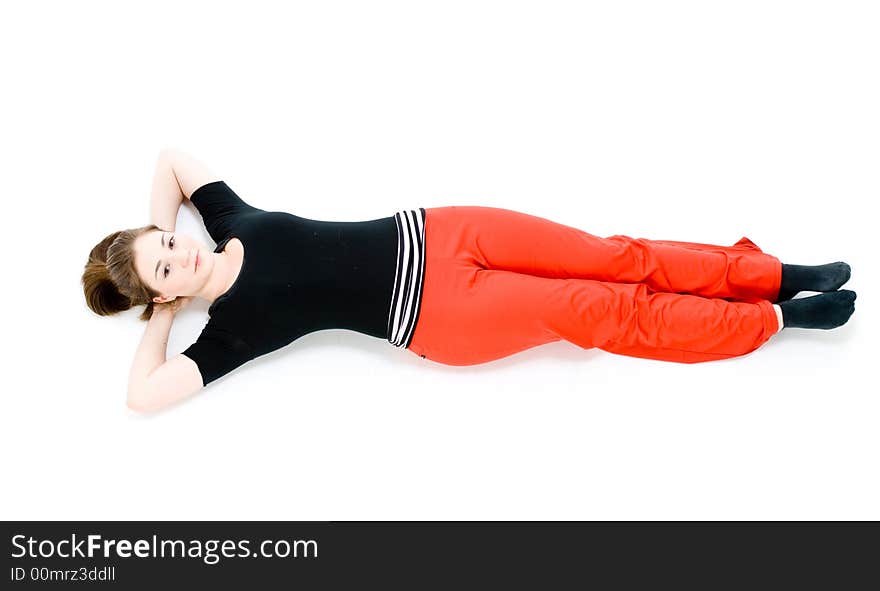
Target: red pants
[{"x": 499, "y": 281}]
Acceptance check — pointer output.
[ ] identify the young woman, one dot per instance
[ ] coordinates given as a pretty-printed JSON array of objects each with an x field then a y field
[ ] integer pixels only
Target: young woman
[{"x": 456, "y": 285}]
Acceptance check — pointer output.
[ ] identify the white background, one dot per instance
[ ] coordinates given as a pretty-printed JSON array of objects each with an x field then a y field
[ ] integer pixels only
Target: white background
[{"x": 696, "y": 121}]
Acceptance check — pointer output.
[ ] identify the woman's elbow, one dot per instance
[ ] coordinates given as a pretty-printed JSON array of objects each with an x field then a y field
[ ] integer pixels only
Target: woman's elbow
[{"x": 140, "y": 404}]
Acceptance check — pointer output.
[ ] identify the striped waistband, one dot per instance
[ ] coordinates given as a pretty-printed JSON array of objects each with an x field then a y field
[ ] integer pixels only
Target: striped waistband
[{"x": 409, "y": 277}]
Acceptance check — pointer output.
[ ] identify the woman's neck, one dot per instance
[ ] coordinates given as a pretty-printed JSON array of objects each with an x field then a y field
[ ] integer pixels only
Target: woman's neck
[{"x": 226, "y": 269}]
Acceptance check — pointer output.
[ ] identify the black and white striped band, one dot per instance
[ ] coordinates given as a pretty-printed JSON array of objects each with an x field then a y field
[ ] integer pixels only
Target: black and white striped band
[{"x": 409, "y": 277}]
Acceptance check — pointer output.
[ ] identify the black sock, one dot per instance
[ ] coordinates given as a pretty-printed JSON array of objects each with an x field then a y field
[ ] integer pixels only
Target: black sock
[
  {"x": 796, "y": 278},
  {"x": 826, "y": 310}
]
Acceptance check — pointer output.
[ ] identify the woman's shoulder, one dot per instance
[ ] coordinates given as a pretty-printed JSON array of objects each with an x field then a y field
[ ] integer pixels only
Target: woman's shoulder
[{"x": 234, "y": 246}]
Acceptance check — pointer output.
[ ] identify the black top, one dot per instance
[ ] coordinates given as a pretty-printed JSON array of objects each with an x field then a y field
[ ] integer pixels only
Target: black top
[{"x": 298, "y": 276}]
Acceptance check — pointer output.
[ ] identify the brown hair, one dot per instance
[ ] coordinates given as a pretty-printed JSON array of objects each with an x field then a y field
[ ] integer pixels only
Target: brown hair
[{"x": 110, "y": 281}]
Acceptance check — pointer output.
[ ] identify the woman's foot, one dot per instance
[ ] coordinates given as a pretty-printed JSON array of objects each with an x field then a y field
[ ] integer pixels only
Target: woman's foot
[
  {"x": 826, "y": 310},
  {"x": 797, "y": 278}
]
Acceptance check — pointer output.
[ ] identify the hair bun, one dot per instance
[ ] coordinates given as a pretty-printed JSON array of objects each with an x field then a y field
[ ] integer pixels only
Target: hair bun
[{"x": 101, "y": 293}]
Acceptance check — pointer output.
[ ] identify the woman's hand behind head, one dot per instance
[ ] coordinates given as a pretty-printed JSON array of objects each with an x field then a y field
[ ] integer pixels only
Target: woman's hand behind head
[{"x": 174, "y": 306}]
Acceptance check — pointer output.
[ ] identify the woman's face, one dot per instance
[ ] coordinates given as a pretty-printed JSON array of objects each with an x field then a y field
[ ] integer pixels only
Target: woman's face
[{"x": 166, "y": 261}]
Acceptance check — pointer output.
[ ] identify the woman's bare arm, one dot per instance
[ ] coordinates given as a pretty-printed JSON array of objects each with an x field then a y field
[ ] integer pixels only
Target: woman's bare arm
[
  {"x": 177, "y": 176},
  {"x": 150, "y": 353},
  {"x": 153, "y": 381},
  {"x": 166, "y": 196}
]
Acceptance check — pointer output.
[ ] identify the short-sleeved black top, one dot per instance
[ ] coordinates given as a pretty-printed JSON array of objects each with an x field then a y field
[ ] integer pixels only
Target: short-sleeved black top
[{"x": 300, "y": 275}]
